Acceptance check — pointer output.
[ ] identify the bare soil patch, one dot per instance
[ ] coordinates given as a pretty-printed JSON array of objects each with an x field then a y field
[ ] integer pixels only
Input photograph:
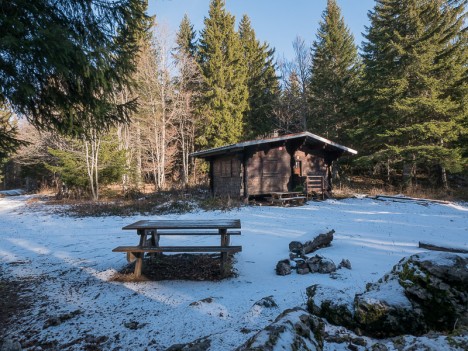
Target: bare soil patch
[
  {"x": 197, "y": 267},
  {"x": 15, "y": 301}
]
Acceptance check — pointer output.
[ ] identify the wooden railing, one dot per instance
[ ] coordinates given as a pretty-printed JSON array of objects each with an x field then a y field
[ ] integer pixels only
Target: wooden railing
[{"x": 315, "y": 186}]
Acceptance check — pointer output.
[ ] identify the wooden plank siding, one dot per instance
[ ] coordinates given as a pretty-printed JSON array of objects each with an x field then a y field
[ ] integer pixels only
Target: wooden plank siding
[
  {"x": 269, "y": 170},
  {"x": 311, "y": 163},
  {"x": 228, "y": 176},
  {"x": 273, "y": 164}
]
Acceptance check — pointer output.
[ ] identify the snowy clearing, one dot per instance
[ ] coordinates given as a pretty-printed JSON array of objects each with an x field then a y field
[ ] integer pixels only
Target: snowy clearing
[{"x": 73, "y": 258}]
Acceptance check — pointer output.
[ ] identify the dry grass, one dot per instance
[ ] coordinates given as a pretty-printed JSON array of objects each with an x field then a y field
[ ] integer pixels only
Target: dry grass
[
  {"x": 373, "y": 187},
  {"x": 135, "y": 202}
]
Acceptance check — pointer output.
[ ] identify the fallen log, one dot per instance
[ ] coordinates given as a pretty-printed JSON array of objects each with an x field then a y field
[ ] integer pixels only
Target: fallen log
[
  {"x": 406, "y": 198},
  {"x": 433, "y": 247},
  {"x": 322, "y": 240}
]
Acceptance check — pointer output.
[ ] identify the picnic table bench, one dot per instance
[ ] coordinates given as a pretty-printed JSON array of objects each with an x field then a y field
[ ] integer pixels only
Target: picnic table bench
[
  {"x": 151, "y": 231},
  {"x": 291, "y": 197}
]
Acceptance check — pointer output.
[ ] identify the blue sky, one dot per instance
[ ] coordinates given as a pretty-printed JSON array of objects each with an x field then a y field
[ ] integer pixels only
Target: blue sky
[{"x": 276, "y": 21}]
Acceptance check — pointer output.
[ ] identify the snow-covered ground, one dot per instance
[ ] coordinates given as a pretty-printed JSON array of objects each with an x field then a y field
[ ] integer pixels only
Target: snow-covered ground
[{"x": 74, "y": 257}]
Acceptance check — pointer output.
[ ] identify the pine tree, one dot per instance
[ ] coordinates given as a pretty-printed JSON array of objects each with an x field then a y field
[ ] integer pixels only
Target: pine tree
[
  {"x": 8, "y": 134},
  {"x": 61, "y": 61},
  {"x": 262, "y": 82},
  {"x": 223, "y": 69},
  {"x": 335, "y": 76},
  {"x": 186, "y": 38},
  {"x": 416, "y": 74},
  {"x": 187, "y": 83},
  {"x": 290, "y": 109}
]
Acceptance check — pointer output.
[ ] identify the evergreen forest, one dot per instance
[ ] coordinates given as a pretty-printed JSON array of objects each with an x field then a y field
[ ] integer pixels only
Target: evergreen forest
[{"x": 93, "y": 95}]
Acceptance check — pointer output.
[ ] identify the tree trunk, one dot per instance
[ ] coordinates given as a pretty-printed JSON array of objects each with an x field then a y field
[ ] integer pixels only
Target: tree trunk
[
  {"x": 92, "y": 163},
  {"x": 443, "y": 176}
]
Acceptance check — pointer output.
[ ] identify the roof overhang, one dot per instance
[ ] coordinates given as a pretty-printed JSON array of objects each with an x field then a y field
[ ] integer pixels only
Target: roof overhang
[{"x": 307, "y": 136}]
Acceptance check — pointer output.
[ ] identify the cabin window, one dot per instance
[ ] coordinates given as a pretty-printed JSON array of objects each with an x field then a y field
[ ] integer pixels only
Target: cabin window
[
  {"x": 270, "y": 167},
  {"x": 226, "y": 168}
]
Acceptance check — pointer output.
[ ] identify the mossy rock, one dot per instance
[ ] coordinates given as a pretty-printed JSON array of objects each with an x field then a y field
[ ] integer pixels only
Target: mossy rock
[
  {"x": 293, "y": 330},
  {"x": 423, "y": 292},
  {"x": 332, "y": 304},
  {"x": 437, "y": 284}
]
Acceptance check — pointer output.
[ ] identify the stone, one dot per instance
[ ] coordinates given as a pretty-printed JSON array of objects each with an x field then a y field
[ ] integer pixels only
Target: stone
[
  {"x": 267, "y": 302},
  {"x": 295, "y": 246},
  {"x": 293, "y": 330},
  {"x": 344, "y": 264},
  {"x": 320, "y": 264},
  {"x": 327, "y": 266},
  {"x": 304, "y": 270},
  {"x": 283, "y": 267},
  {"x": 379, "y": 347},
  {"x": 293, "y": 255},
  {"x": 300, "y": 262},
  {"x": 10, "y": 345},
  {"x": 201, "y": 344},
  {"x": 202, "y": 301},
  {"x": 134, "y": 325},
  {"x": 314, "y": 263}
]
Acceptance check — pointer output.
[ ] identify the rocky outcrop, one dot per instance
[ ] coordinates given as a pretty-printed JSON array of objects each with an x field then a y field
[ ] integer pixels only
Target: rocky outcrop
[
  {"x": 384, "y": 310},
  {"x": 427, "y": 291},
  {"x": 293, "y": 330},
  {"x": 334, "y": 305},
  {"x": 201, "y": 344}
]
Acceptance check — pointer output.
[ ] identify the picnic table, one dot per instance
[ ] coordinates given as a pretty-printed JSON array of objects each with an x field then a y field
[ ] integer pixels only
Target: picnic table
[
  {"x": 151, "y": 231},
  {"x": 290, "y": 197}
]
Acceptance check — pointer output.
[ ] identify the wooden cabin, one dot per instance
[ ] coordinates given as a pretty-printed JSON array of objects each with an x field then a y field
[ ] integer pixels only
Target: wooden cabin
[{"x": 280, "y": 164}]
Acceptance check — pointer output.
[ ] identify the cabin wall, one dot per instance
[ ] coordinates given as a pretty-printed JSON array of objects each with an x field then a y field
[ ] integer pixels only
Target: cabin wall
[
  {"x": 269, "y": 170},
  {"x": 227, "y": 176},
  {"x": 311, "y": 163}
]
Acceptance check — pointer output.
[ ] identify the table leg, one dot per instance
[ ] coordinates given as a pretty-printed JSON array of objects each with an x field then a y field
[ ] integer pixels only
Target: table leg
[
  {"x": 154, "y": 238},
  {"x": 225, "y": 239},
  {"x": 155, "y": 241},
  {"x": 130, "y": 257},
  {"x": 138, "y": 264},
  {"x": 142, "y": 234},
  {"x": 139, "y": 255}
]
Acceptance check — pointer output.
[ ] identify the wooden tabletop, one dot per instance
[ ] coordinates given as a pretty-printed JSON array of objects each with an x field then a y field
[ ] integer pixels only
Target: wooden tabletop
[{"x": 185, "y": 224}]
